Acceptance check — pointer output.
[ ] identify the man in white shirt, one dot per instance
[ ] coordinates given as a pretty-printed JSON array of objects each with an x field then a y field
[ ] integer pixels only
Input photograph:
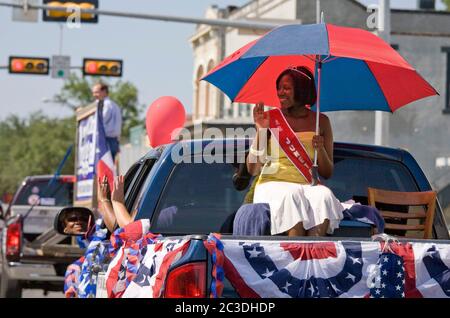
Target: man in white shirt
[{"x": 112, "y": 117}]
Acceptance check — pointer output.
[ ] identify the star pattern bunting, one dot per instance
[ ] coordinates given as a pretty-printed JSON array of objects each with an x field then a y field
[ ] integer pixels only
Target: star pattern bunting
[{"x": 390, "y": 283}]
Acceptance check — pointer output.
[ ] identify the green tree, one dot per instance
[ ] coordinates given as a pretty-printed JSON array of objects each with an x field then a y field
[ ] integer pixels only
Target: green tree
[
  {"x": 125, "y": 94},
  {"x": 447, "y": 3},
  {"x": 33, "y": 146},
  {"x": 76, "y": 92}
]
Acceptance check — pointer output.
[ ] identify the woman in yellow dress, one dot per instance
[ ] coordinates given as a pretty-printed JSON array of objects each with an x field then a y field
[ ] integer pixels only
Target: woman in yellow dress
[{"x": 296, "y": 207}]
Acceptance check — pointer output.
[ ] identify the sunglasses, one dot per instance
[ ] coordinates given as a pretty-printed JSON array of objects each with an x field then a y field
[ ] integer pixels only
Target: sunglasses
[{"x": 75, "y": 218}]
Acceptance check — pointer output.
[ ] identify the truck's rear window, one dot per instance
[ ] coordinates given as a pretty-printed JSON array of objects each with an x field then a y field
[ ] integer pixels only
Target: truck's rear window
[
  {"x": 59, "y": 193},
  {"x": 352, "y": 177},
  {"x": 198, "y": 198}
]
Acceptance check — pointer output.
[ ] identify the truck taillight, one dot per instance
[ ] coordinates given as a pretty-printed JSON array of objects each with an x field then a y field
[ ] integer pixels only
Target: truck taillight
[
  {"x": 68, "y": 179},
  {"x": 13, "y": 241},
  {"x": 187, "y": 281}
]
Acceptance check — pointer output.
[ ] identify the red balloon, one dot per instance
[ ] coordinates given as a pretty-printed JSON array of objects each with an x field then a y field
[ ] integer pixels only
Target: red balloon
[{"x": 164, "y": 115}]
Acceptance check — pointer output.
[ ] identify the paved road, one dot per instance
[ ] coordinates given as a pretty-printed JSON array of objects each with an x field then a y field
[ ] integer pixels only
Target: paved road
[{"x": 39, "y": 293}]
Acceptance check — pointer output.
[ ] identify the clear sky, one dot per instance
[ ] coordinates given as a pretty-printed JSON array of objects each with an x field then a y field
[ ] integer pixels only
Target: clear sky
[{"x": 157, "y": 55}]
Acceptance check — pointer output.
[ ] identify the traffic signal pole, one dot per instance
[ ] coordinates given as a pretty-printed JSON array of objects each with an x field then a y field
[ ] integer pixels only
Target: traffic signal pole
[
  {"x": 384, "y": 32},
  {"x": 167, "y": 18},
  {"x": 212, "y": 22}
]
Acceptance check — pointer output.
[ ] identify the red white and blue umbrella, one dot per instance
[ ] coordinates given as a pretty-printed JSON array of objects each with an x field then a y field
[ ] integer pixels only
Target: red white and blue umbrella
[
  {"x": 354, "y": 69},
  {"x": 360, "y": 71}
]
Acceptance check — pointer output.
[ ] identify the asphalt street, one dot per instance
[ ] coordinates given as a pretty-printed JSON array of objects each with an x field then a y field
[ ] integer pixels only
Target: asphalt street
[{"x": 39, "y": 293}]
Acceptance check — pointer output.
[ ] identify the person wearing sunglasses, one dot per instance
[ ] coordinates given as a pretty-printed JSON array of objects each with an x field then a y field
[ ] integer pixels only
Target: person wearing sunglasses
[{"x": 75, "y": 224}]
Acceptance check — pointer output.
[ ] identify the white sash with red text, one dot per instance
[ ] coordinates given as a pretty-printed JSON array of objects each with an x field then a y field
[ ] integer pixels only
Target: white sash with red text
[{"x": 291, "y": 145}]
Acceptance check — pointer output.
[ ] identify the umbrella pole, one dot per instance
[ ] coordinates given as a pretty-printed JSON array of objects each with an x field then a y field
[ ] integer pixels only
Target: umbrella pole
[{"x": 315, "y": 167}]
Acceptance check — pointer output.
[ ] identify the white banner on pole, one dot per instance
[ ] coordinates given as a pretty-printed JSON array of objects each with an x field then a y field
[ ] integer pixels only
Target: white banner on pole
[{"x": 87, "y": 136}]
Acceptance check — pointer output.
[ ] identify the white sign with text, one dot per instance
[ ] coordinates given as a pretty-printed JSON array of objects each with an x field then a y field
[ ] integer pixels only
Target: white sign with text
[{"x": 86, "y": 157}]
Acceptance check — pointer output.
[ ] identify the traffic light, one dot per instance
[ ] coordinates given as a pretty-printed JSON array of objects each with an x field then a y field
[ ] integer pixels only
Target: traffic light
[
  {"x": 102, "y": 67},
  {"x": 63, "y": 16},
  {"x": 28, "y": 65}
]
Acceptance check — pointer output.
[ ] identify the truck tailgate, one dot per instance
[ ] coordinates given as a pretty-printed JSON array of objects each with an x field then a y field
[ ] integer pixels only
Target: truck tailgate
[{"x": 39, "y": 220}]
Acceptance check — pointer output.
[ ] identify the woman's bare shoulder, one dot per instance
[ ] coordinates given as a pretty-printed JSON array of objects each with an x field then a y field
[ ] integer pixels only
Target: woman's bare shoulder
[
  {"x": 324, "y": 123},
  {"x": 322, "y": 117},
  {"x": 324, "y": 120}
]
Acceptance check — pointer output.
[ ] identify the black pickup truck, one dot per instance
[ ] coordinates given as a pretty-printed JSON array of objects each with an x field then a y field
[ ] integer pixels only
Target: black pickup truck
[
  {"x": 200, "y": 187},
  {"x": 33, "y": 255}
]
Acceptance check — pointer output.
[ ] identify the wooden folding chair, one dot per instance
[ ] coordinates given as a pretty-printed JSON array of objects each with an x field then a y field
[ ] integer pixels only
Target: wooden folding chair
[{"x": 397, "y": 221}]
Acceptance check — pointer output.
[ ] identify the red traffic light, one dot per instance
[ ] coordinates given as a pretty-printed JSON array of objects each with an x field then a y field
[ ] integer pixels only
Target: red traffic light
[
  {"x": 91, "y": 67},
  {"x": 17, "y": 65},
  {"x": 102, "y": 67},
  {"x": 28, "y": 65}
]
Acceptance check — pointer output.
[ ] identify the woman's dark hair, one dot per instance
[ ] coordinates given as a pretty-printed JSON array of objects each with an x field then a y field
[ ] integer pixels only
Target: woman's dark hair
[
  {"x": 304, "y": 85},
  {"x": 241, "y": 177}
]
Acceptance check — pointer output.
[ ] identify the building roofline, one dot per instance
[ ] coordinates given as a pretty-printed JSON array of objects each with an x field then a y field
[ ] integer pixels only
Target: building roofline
[
  {"x": 443, "y": 35},
  {"x": 439, "y": 12},
  {"x": 243, "y": 6},
  {"x": 362, "y": 6}
]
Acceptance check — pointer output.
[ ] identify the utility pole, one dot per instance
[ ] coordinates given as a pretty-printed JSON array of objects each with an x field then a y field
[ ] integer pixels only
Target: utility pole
[
  {"x": 384, "y": 32},
  {"x": 61, "y": 30}
]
